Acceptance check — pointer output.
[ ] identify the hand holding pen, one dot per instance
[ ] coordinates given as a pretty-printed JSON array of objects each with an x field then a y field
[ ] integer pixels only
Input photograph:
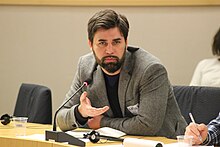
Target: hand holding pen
[{"x": 193, "y": 121}]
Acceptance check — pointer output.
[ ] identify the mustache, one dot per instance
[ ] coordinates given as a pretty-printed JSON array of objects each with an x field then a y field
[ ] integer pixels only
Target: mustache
[{"x": 113, "y": 57}]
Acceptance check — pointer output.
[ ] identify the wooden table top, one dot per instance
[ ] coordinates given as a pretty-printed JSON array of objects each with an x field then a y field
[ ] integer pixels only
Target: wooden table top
[{"x": 8, "y": 137}]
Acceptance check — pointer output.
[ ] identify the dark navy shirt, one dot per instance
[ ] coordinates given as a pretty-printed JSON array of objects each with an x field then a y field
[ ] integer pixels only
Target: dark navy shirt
[{"x": 111, "y": 83}]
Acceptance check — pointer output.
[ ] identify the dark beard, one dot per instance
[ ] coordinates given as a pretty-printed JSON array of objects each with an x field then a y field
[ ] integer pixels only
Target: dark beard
[{"x": 113, "y": 66}]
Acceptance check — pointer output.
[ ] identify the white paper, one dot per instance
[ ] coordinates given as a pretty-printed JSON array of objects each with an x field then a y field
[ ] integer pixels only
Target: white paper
[
  {"x": 76, "y": 134},
  {"x": 177, "y": 144},
  {"x": 132, "y": 142},
  {"x": 110, "y": 132}
]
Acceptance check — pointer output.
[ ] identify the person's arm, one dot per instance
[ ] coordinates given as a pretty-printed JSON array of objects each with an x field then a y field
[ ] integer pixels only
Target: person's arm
[
  {"x": 77, "y": 115},
  {"x": 78, "y": 109},
  {"x": 210, "y": 133},
  {"x": 153, "y": 93},
  {"x": 213, "y": 132}
]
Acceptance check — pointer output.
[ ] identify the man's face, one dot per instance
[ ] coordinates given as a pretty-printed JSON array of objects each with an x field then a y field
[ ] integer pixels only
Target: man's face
[{"x": 109, "y": 48}]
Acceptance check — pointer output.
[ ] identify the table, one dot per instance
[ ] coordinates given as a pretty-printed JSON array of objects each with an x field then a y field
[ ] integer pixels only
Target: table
[{"x": 9, "y": 139}]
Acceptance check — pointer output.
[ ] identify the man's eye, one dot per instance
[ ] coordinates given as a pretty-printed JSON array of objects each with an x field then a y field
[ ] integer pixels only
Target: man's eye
[
  {"x": 116, "y": 42},
  {"x": 102, "y": 43}
]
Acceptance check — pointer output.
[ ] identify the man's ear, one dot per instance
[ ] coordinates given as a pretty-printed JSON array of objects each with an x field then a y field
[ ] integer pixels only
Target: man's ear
[{"x": 126, "y": 42}]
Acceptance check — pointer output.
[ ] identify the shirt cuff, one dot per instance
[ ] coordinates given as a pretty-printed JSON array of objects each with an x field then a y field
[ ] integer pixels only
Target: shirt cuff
[
  {"x": 80, "y": 119},
  {"x": 207, "y": 140}
]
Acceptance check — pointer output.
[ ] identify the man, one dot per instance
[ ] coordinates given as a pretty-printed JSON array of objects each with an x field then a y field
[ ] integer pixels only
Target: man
[
  {"x": 130, "y": 90},
  {"x": 210, "y": 134}
]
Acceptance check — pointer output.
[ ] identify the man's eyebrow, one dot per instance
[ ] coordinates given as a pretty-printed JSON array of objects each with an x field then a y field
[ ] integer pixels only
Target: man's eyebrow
[
  {"x": 116, "y": 39},
  {"x": 102, "y": 40}
]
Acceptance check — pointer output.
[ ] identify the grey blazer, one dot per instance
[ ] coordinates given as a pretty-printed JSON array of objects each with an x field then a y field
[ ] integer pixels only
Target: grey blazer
[{"x": 145, "y": 95}]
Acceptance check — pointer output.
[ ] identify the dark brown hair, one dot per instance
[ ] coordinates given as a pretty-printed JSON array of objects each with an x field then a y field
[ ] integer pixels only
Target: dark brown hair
[
  {"x": 107, "y": 19},
  {"x": 216, "y": 44}
]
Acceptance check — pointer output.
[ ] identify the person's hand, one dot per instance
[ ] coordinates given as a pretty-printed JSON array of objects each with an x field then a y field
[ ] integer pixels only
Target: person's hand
[
  {"x": 85, "y": 108},
  {"x": 94, "y": 123},
  {"x": 195, "y": 130}
]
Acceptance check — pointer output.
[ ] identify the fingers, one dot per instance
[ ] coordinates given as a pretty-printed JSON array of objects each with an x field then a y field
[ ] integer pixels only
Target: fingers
[
  {"x": 94, "y": 122},
  {"x": 88, "y": 101},
  {"x": 85, "y": 108},
  {"x": 84, "y": 100},
  {"x": 83, "y": 96},
  {"x": 97, "y": 111},
  {"x": 202, "y": 127},
  {"x": 192, "y": 130}
]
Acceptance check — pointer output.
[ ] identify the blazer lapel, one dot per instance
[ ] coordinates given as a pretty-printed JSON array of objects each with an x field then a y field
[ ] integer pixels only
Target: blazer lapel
[
  {"x": 123, "y": 86},
  {"x": 100, "y": 89},
  {"x": 124, "y": 80}
]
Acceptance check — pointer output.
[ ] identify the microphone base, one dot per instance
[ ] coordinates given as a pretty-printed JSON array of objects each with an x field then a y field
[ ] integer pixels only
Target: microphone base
[{"x": 59, "y": 136}]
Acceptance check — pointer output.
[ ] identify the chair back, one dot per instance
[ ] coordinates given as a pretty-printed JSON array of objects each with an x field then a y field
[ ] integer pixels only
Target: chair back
[
  {"x": 202, "y": 102},
  {"x": 34, "y": 102}
]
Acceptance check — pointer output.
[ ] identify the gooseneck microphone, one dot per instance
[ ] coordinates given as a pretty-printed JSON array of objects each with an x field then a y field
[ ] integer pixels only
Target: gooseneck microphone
[
  {"x": 60, "y": 136},
  {"x": 86, "y": 83}
]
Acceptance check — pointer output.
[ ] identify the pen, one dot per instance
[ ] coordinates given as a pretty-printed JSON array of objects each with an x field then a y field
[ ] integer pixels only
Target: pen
[{"x": 191, "y": 116}]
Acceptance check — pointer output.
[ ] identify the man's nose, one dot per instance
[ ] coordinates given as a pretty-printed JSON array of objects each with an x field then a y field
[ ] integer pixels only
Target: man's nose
[{"x": 109, "y": 49}]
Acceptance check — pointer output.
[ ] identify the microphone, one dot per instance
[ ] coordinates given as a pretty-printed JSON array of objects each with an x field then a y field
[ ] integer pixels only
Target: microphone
[
  {"x": 86, "y": 83},
  {"x": 60, "y": 136}
]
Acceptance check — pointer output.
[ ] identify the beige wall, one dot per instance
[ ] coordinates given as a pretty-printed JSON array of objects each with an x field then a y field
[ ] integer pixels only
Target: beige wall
[{"x": 42, "y": 44}]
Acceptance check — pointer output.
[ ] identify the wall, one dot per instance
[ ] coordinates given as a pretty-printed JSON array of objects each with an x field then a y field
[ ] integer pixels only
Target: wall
[{"x": 42, "y": 44}]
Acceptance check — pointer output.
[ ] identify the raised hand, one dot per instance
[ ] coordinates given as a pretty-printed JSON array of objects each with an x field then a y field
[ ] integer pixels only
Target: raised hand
[{"x": 86, "y": 109}]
